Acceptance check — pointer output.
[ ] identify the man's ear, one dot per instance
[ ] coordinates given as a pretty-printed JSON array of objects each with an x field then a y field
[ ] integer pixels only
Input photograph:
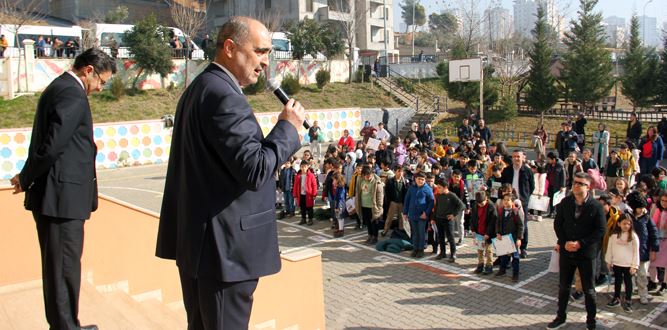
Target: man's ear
[{"x": 229, "y": 46}]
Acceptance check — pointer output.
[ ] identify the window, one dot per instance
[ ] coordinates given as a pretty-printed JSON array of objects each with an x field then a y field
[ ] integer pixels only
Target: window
[
  {"x": 267, "y": 4},
  {"x": 309, "y": 6}
]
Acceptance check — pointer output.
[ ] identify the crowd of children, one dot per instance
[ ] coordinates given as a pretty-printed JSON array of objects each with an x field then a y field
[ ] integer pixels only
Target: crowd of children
[{"x": 473, "y": 189}]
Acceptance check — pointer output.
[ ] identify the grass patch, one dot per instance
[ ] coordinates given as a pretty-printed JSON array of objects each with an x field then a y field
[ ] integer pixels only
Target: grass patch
[{"x": 153, "y": 104}]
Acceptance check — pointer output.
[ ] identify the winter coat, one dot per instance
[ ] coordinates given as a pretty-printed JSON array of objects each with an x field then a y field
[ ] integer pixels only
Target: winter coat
[
  {"x": 645, "y": 229},
  {"x": 349, "y": 142},
  {"x": 400, "y": 153},
  {"x": 569, "y": 177},
  {"x": 286, "y": 178},
  {"x": 348, "y": 169},
  {"x": 377, "y": 191},
  {"x": 311, "y": 189},
  {"x": 629, "y": 158},
  {"x": 459, "y": 189},
  {"x": 491, "y": 219},
  {"x": 658, "y": 150},
  {"x": 620, "y": 252},
  {"x": 393, "y": 245},
  {"x": 612, "y": 219},
  {"x": 588, "y": 229},
  {"x": 391, "y": 190},
  {"x": 514, "y": 226},
  {"x": 447, "y": 204},
  {"x": 526, "y": 181},
  {"x": 601, "y": 147},
  {"x": 418, "y": 200}
]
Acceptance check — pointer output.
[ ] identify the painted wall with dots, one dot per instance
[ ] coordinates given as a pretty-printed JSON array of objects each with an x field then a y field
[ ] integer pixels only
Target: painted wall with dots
[{"x": 148, "y": 142}]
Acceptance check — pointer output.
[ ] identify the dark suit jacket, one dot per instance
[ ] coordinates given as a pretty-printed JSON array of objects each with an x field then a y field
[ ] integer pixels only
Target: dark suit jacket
[
  {"x": 526, "y": 181},
  {"x": 218, "y": 211},
  {"x": 59, "y": 175},
  {"x": 588, "y": 229}
]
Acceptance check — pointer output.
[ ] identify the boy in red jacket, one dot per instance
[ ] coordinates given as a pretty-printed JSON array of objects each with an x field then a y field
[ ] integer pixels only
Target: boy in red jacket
[{"x": 304, "y": 192}]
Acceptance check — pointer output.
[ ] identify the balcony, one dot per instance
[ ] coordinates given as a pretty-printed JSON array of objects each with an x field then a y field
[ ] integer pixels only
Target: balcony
[{"x": 326, "y": 14}]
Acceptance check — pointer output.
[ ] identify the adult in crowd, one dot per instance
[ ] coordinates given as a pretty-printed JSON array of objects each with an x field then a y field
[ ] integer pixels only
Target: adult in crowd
[
  {"x": 520, "y": 176},
  {"x": 651, "y": 150},
  {"x": 634, "y": 131},
  {"x": 567, "y": 141},
  {"x": 540, "y": 140},
  {"x": 314, "y": 133},
  {"x": 426, "y": 137},
  {"x": 484, "y": 131},
  {"x": 346, "y": 140},
  {"x": 465, "y": 131},
  {"x": 60, "y": 183},
  {"x": 662, "y": 127},
  {"x": 382, "y": 133},
  {"x": 3, "y": 45},
  {"x": 580, "y": 129},
  {"x": 367, "y": 132},
  {"x": 580, "y": 224},
  {"x": 601, "y": 145},
  {"x": 218, "y": 218},
  {"x": 555, "y": 178},
  {"x": 383, "y": 154},
  {"x": 413, "y": 133}
]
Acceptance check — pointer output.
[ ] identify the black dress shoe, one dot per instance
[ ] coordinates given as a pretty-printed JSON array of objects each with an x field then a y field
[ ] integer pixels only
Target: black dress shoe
[{"x": 89, "y": 327}]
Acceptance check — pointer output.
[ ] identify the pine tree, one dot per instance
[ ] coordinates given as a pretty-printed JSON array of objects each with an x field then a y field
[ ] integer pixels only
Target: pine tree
[
  {"x": 661, "y": 88},
  {"x": 149, "y": 44},
  {"x": 542, "y": 92},
  {"x": 639, "y": 79},
  {"x": 587, "y": 71}
]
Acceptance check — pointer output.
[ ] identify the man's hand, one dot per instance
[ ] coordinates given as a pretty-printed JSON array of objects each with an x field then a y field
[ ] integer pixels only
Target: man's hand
[
  {"x": 423, "y": 216},
  {"x": 572, "y": 246},
  {"x": 633, "y": 270},
  {"x": 486, "y": 237},
  {"x": 450, "y": 217},
  {"x": 294, "y": 113},
  {"x": 433, "y": 222},
  {"x": 518, "y": 243},
  {"x": 651, "y": 256},
  {"x": 467, "y": 211},
  {"x": 557, "y": 248},
  {"x": 16, "y": 184}
]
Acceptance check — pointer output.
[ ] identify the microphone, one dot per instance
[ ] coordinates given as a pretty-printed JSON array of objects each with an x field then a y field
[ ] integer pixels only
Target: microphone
[{"x": 283, "y": 97}]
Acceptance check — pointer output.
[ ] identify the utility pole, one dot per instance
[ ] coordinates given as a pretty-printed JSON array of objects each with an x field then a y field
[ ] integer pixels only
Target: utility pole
[{"x": 386, "y": 35}]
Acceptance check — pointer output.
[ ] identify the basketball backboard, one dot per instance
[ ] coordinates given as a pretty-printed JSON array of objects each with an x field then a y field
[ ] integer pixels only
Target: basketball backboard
[{"x": 465, "y": 70}]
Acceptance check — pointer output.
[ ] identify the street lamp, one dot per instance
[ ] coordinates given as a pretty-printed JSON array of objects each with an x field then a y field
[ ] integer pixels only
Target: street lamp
[{"x": 644, "y": 22}]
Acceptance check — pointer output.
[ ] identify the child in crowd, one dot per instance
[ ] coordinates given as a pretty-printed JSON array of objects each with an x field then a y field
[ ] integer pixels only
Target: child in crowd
[
  {"x": 447, "y": 207},
  {"x": 613, "y": 169},
  {"x": 483, "y": 224},
  {"x": 304, "y": 192},
  {"x": 286, "y": 183},
  {"x": 648, "y": 241},
  {"x": 508, "y": 223},
  {"x": 657, "y": 268},
  {"x": 338, "y": 204},
  {"x": 417, "y": 208},
  {"x": 457, "y": 186},
  {"x": 540, "y": 191},
  {"x": 622, "y": 255}
]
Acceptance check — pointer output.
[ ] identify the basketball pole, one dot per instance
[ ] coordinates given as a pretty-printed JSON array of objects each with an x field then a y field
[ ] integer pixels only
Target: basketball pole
[{"x": 481, "y": 89}]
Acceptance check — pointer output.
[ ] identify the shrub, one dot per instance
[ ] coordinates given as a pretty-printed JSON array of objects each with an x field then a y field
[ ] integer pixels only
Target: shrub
[
  {"x": 117, "y": 86},
  {"x": 359, "y": 75},
  {"x": 507, "y": 110},
  {"x": 406, "y": 85},
  {"x": 290, "y": 85},
  {"x": 322, "y": 77},
  {"x": 441, "y": 68},
  {"x": 257, "y": 87}
]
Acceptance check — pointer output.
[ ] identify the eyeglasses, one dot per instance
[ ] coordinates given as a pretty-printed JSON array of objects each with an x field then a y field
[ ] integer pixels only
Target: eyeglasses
[
  {"x": 579, "y": 183},
  {"x": 102, "y": 82}
]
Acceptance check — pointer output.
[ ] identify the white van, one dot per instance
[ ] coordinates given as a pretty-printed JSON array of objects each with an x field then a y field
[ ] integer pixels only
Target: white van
[
  {"x": 104, "y": 33},
  {"x": 33, "y": 32}
]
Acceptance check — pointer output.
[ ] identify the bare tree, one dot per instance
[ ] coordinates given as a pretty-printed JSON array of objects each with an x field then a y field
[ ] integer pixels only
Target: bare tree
[
  {"x": 349, "y": 22},
  {"x": 273, "y": 19},
  {"x": 190, "y": 19},
  {"x": 15, "y": 15},
  {"x": 471, "y": 23}
]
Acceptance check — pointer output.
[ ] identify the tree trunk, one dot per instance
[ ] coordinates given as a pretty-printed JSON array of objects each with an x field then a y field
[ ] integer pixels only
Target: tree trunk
[
  {"x": 350, "y": 60},
  {"x": 134, "y": 83}
]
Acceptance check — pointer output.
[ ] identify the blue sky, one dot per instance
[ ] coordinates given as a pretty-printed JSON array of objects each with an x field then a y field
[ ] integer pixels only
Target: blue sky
[{"x": 621, "y": 8}]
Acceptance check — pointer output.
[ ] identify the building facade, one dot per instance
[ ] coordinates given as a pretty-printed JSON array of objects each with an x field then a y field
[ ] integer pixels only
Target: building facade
[
  {"x": 497, "y": 24},
  {"x": 369, "y": 14},
  {"x": 648, "y": 31},
  {"x": 525, "y": 15},
  {"x": 615, "y": 31}
]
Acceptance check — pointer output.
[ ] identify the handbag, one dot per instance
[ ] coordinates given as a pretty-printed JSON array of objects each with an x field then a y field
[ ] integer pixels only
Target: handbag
[
  {"x": 539, "y": 203},
  {"x": 554, "y": 264}
]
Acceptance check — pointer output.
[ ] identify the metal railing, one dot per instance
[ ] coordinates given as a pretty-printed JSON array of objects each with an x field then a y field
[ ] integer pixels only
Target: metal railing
[
  {"x": 403, "y": 59},
  {"x": 429, "y": 99}
]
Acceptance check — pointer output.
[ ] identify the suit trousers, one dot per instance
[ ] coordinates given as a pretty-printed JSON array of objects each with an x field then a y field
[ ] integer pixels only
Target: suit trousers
[
  {"x": 61, "y": 246},
  {"x": 213, "y": 304},
  {"x": 568, "y": 266}
]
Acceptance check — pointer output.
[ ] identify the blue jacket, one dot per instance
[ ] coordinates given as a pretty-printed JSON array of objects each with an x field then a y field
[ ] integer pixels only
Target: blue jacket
[
  {"x": 417, "y": 201},
  {"x": 338, "y": 197},
  {"x": 286, "y": 179},
  {"x": 645, "y": 229}
]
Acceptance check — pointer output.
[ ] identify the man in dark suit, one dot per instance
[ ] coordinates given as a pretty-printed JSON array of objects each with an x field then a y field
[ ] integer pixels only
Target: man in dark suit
[
  {"x": 218, "y": 211},
  {"x": 59, "y": 181},
  {"x": 521, "y": 178},
  {"x": 580, "y": 224}
]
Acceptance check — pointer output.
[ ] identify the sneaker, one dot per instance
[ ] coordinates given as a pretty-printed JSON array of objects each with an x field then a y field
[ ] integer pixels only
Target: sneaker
[
  {"x": 310, "y": 222},
  {"x": 601, "y": 280},
  {"x": 439, "y": 257},
  {"x": 662, "y": 290},
  {"x": 557, "y": 323},
  {"x": 452, "y": 259},
  {"x": 302, "y": 222},
  {"x": 643, "y": 300},
  {"x": 539, "y": 218},
  {"x": 420, "y": 253},
  {"x": 523, "y": 254},
  {"x": 487, "y": 270},
  {"x": 627, "y": 307},
  {"x": 383, "y": 233},
  {"x": 413, "y": 253},
  {"x": 479, "y": 269},
  {"x": 501, "y": 272},
  {"x": 515, "y": 277},
  {"x": 651, "y": 286},
  {"x": 576, "y": 295},
  {"x": 614, "y": 302},
  {"x": 591, "y": 326},
  {"x": 459, "y": 243}
]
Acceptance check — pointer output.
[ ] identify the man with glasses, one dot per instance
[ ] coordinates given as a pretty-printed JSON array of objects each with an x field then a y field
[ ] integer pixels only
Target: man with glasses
[
  {"x": 59, "y": 181},
  {"x": 580, "y": 225}
]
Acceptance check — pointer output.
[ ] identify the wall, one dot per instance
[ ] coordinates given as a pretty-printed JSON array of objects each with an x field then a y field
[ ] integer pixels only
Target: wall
[
  {"x": 148, "y": 142},
  {"x": 44, "y": 70},
  {"x": 389, "y": 116}
]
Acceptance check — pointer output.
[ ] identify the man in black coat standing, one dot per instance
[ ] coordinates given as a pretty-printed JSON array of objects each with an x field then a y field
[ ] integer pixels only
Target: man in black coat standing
[
  {"x": 218, "y": 217},
  {"x": 521, "y": 178},
  {"x": 60, "y": 183},
  {"x": 580, "y": 225}
]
